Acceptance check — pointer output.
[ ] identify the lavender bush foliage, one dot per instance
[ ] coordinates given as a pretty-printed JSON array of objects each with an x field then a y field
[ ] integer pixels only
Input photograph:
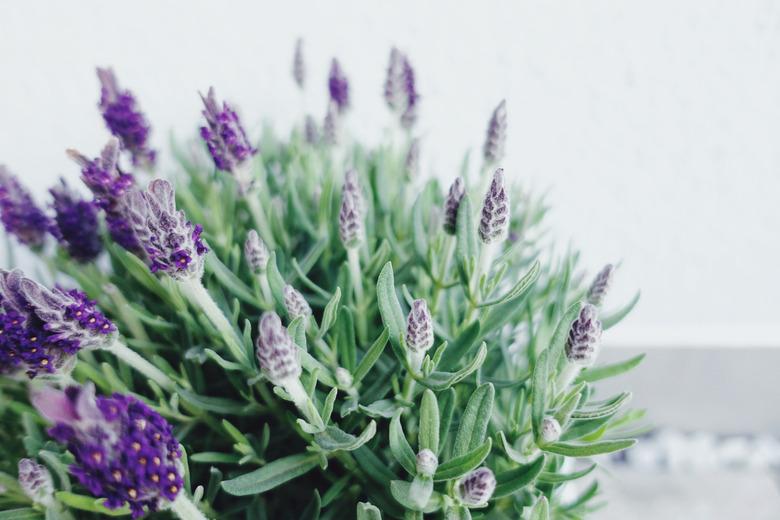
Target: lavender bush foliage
[{"x": 356, "y": 339}]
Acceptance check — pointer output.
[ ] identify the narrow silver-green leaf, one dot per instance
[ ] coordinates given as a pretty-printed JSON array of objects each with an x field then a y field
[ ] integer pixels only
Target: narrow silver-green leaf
[
  {"x": 541, "y": 510},
  {"x": 371, "y": 356},
  {"x": 610, "y": 320},
  {"x": 400, "y": 447},
  {"x": 428, "y": 437},
  {"x": 329, "y": 314},
  {"x": 474, "y": 421},
  {"x": 459, "y": 466},
  {"x": 570, "y": 449},
  {"x": 509, "y": 482},
  {"x": 605, "y": 371},
  {"x": 271, "y": 475},
  {"x": 368, "y": 511},
  {"x": 389, "y": 307}
]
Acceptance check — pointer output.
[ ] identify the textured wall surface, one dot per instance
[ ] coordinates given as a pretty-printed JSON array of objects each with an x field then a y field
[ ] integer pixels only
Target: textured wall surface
[{"x": 653, "y": 124}]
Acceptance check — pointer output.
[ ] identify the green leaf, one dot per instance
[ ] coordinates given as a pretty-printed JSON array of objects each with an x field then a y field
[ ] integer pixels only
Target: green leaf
[
  {"x": 447, "y": 406},
  {"x": 467, "y": 247},
  {"x": 91, "y": 504},
  {"x": 214, "y": 457},
  {"x": 384, "y": 408},
  {"x": 519, "y": 289},
  {"x": 570, "y": 449},
  {"x": 442, "y": 380},
  {"x": 346, "y": 345},
  {"x": 459, "y": 466},
  {"x": 373, "y": 466},
  {"x": 539, "y": 382},
  {"x": 541, "y": 510},
  {"x": 428, "y": 437},
  {"x": 461, "y": 347},
  {"x": 400, "y": 491},
  {"x": 609, "y": 407},
  {"x": 367, "y": 511},
  {"x": 220, "y": 405},
  {"x": 371, "y": 356},
  {"x": 271, "y": 475},
  {"x": 509, "y": 482},
  {"x": 389, "y": 307},
  {"x": 474, "y": 421},
  {"x": 400, "y": 447},
  {"x": 230, "y": 281},
  {"x": 276, "y": 281},
  {"x": 610, "y": 320},
  {"x": 513, "y": 454},
  {"x": 312, "y": 511},
  {"x": 329, "y": 314},
  {"x": 558, "y": 340},
  {"x": 547, "y": 477},
  {"x": 335, "y": 439},
  {"x": 23, "y": 513},
  {"x": 614, "y": 369}
]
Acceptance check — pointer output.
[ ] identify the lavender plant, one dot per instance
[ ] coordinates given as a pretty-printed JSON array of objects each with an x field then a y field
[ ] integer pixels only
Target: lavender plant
[{"x": 326, "y": 342}]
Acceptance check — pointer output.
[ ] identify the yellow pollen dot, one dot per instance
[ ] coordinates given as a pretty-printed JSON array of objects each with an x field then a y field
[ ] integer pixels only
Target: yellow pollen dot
[
  {"x": 97, "y": 456},
  {"x": 34, "y": 350},
  {"x": 92, "y": 319},
  {"x": 157, "y": 436},
  {"x": 117, "y": 475},
  {"x": 136, "y": 446},
  {"x": 171, "y": 476},
  {"x": 34, "y": 338},
  {"x": 156, "y": 461},
  {"x": 155, "y": 478},
  {"x": 44, "y": 362},
  {"x": 78, "y": 313},
  {"x": 132, "y": 493},
  {"x": 142, "y": 461},
  {"x": 174, "y": 489}
]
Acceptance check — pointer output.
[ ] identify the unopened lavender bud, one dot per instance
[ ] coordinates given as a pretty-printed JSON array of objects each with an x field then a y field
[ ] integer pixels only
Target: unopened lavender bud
[
  {"x": 452, "y": 205},
  {"x": 551, "y": 429},
  {"x": 409, "y": 115},
  {"x": 256, "y": 252},
  {"x": 584, "y": 339},
  {"x": 338, "y": 86},
  {"x": 412, "y": 162},
  {"x": 427, "y": 463},
  {"x": 36, "y": 482},
  {"x": 330, "y": 125},
  {"x": 299, "y": 68},
  {"x": 393, "y": 81},
  {"x": 476, "y": 488},
  {"x": 601, "y": 284},
  {"x": 276, "y": 352},
  {"x": 495, "y": 140},
  {"x": 344, "y": 377},
  {"x": 351, "y": 224},
  {"x": 295, "y": 303},
  {"x": 494, "y": 220},
  {"x": 419, "y": 328},
  {"x": 311, "y": 132}
]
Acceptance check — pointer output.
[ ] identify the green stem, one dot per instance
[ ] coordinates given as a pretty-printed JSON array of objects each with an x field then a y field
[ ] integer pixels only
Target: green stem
[
  {"x": 265, "y": 287},
  {"x": 144, "y": 367},
  {"x": 302, "y": 401},
  {"x": 261, "y": 222},
  {"x": 353, "y": 258},
  {"x": 128, "y": 317},
  {"x": 185, "y": 509}
]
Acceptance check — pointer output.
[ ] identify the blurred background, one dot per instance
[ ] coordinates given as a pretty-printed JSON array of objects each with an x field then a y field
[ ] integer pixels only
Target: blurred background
[{"x": 651, "y": 126}]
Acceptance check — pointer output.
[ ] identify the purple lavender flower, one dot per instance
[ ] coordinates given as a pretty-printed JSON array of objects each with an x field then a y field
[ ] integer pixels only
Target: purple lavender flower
[
  {"x": 426, "y": 463},
  {"x": 110, "y": 187},
  {"x": 412, "y": 162},
  {"x": 330, "y": 125},
  {"x": 338, "y": 86},
  {"x": 409, "y": 115},
  {"x": 124, "y": 119},
  {"x": 584, "y": 339},
  {"x": 36, "y": 482},
  {"x": 256, "y": 252},
  {"x": 495, "y": 139},
  {"x": 551, "y": 429},
  {"x": 400, "y": 90},
  {"x": 226, "y": 139},
  {"x": 171, "y": 242},
  {"x": 299, "y": 68},
  {"x": 123, "y": 450},
  {"x": 276, "y": 353},
  {"x": 601, "y": 284},
  {"x": 18, "y": 212},
  {"x": 351, "y": 225},
  {"x": 419, "y": 328},
  {"x": 311, "y": 132},
  {"x": 295, "y": 304},
  {"x": 494, "y": 220},
  {"x": 452, "y": 205},
  {"x": 476, "y": 488},
  {"x": 76, "y": 223}
]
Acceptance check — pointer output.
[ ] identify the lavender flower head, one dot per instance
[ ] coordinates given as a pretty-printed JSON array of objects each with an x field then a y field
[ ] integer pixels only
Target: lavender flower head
[
  {"x": 338, "y": 86},
  {"x": 110, "y": 186},
  {"x": 299, "y": 68},
  {"x": 351, "y": 225},
  {"x": 123, "y": 450},
  {"x": 419, "y": 328},
  {"x": 494, "y": 220},
  {"x": 400, "y": 90},
  {"x": 76, "y": 223},
  {"x": 311, "y": 132},
  {"x": 295, "y": 304},
  {"x": 476, "y": 488},
  {"x": 42, "y": 329},
  {"x": 452, "y": 205},
  {"x": 601, "y": 284},
  {"x": 18, "y": 212},
  {"x": 426, "y": 462},
  {"x": 256, "y": 252},
  {"x": 36, "y": 482},
  {"x": 495, "y": 139},
  {"x": 393, "y": 87},
  {"x": 276, "y": 353},
  {"x": 412, "y": 161},
  {"x": 409, "y": 115},
  {"x": 331, "y": 125},
  {"x": 124, "y": 119},
  {"x": 172, "y": 243},
  {"x": 226, "y": 139},
  {"x": 551, "y": 429},
  {"x": 584, "y": 339}
]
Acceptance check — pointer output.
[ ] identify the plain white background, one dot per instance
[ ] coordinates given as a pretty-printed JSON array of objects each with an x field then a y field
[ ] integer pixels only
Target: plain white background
[{"x": 654, "y": 125}]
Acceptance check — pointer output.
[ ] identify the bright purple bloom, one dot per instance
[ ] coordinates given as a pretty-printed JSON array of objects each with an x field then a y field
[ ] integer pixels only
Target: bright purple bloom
[
  {"x": 338, "y": 86},
  {"x": 18, "y": 212},
  {"x": 76, "y": 223},
  {"x": 110, "y": 186},
  {"x": 171, "y": 242},
  {"x": 124, "y": 119},
  {"x": 225, "y": 137},
  {"x": 495, "y": 139},
  {"x": 299, "y": 67},
  {"x": 123, "y": 450}
]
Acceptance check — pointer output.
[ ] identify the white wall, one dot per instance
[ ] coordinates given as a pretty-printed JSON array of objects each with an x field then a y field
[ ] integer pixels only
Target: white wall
[{"x": 654, "y": 123}]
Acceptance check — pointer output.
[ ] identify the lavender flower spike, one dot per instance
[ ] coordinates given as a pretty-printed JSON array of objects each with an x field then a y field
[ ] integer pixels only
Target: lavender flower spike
[
  {"x": 76, "y": 223},
  {"x": 311, "y": 132},
  {"x": 412, "y": 161},
  {"x": 494, "y": 221},
  {"x": 172, "y": 243},
  {"x": 331, "y": 125},
  {"x": 124, "y": 120},
  {"x": 476, "y": 488},
  {"x": 601, "y": 284},
  {"x": 299, "y": 68},
  {"x": 452, "y": 205},
  {"x": 338, "y": 86},
  {"x": 226, "y": 139},
  {"x": 256, "y": 252},
  {"x": 551, "y": 430},
  {"x": 123, "y": 450},
  {"x": 400, "y": 90},
  {"x": 419, "y": 333},
  {"x": 36, "y": 482},
  {"x": 495, "y": 140},
  {"x": 584, "y": 339},
  {"x": 295, "y": 304},
  {"x": 276, "y": 353},
  {"x": 351, "y": 225},
  {"x": 409, "y": 115},
  {"x": 18, "y": 212}
]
